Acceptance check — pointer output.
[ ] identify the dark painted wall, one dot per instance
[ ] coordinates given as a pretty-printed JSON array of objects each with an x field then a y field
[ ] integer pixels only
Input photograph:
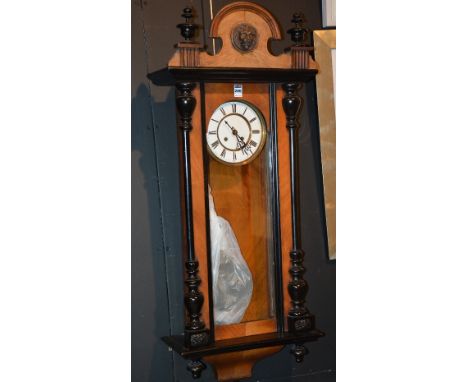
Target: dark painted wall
[{"x": 157, "y": 287}]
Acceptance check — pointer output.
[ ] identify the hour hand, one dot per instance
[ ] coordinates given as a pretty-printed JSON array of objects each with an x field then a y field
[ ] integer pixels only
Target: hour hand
[{"x": 240, "y": 143}]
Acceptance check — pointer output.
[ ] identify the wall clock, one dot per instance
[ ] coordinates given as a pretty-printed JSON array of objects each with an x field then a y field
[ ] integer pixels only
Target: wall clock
[{"x": 238, "y": 112}]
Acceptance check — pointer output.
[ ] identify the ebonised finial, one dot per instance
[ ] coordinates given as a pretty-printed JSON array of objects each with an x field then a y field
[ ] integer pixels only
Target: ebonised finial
[
  {"x": 299, "y": 32},
  {"x": 187, "y": 29}
]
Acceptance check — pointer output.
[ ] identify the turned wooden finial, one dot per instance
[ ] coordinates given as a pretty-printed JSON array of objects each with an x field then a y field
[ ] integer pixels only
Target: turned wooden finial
[
  {"x": 299, "y": 32},
  {"x": 188, "y": 51},
  {"x": 300, "y": 51},
  {"x": 187, "y": 29}
]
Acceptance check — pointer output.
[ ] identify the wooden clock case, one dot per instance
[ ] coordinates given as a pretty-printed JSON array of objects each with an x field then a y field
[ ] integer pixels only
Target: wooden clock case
[{"x": 269, "y": 82}]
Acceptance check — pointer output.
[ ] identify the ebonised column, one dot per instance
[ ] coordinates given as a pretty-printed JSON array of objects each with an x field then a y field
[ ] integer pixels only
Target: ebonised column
[
  {"x": 299, "y": 318},
  {"x": 195, "y": 332}
]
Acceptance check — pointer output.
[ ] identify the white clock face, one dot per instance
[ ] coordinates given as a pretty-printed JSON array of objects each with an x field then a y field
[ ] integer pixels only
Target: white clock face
[{"x": 236, "y": 133}]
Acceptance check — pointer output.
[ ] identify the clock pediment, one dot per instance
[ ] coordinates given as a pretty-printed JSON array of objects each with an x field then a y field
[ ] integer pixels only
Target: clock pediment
[{"x": 245, "y": 29}]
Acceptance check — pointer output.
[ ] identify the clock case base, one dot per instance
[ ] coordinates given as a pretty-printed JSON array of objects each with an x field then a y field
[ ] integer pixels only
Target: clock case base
[
  {"x": 177, "y": 343},
  {"x": 243, "y": 351}
]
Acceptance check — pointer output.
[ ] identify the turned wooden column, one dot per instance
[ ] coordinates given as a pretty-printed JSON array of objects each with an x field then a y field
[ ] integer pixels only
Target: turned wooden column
[
  {"x": 299, "y": 318},
  {"x": 195, "y": 332}
]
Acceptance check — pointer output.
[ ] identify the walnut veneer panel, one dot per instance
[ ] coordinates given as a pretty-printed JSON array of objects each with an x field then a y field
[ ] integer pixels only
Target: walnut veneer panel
[
  {"x": 198, "y": 207},
  {"x": 238, "y": 365},
  {"x": 245, "y": 329},
  {"x": 285, "y": 198},
  {"x": 240, "y": 196}
]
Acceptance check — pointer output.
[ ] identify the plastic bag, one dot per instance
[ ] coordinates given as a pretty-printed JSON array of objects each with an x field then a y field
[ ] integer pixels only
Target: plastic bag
[{"x": 232, "y": 280}]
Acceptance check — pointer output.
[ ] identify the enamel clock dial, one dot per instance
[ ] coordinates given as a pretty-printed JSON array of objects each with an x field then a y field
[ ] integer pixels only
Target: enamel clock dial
[{"x": 236, "y": 133}]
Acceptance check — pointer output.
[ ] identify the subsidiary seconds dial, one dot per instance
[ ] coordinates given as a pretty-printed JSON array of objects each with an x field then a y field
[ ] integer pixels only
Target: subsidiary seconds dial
[{"x": 236, "y": 133}]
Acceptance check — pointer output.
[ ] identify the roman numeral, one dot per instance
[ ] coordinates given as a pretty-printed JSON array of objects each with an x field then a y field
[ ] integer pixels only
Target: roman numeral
[
  {"x": 244, "y": 111},
  {"x": 234, "y": 107},
  {"x": 255, "y": 131},
  {"x": 253, "y": 143},
  {"x": 215, "y": 144},
  {"x": 253, "y": 119},
  {"x": 246, "y": 150},
  {"x": 234, "y": 155},
  {"x": 223, "y": 153},
  {"x": 222, "y": 111},
  {"x": 214, "y": 120},
  {"x": 212, "y": 132}
]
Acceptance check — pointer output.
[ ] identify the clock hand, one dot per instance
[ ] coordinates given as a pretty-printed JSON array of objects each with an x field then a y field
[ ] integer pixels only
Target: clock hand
[
  {"x": 240, "y": 142},
  {"x": 234, "y": 132},
  {"x": 227, "y": 123},
  {"x": 244, "y": 147}
]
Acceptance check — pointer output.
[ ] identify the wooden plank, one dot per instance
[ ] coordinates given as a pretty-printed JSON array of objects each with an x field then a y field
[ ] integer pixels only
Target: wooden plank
[{"x": 325, "y": 43}]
